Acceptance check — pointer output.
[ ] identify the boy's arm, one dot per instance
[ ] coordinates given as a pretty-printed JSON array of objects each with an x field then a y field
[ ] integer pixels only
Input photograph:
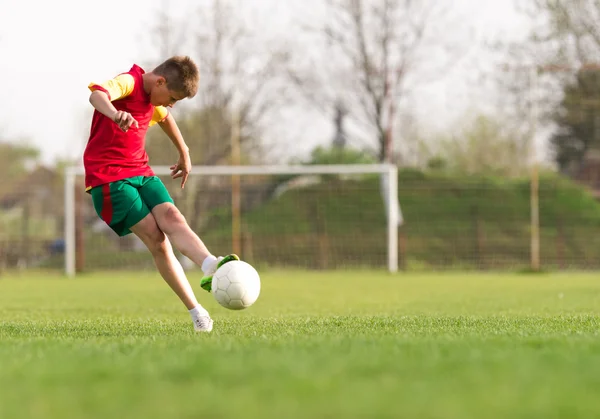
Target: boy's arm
[
  {"x": 102, "y": 104},
  {"x": 184, "y": 166}
]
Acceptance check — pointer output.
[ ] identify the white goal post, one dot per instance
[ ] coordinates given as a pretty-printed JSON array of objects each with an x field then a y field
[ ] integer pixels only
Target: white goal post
[{"x": 389, "y": 185}]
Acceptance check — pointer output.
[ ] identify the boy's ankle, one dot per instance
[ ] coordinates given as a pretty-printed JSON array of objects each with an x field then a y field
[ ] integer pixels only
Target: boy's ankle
[
  {"x": 198, "y": 311},
  {"x": 209, "y": 264}
]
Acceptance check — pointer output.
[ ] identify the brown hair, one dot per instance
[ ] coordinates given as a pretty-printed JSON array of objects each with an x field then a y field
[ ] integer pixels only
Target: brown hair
[{"x": 181, "y": 74}]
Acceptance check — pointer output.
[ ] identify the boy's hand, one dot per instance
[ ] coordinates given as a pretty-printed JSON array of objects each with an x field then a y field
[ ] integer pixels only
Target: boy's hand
[
  {"x": 182, "y": 169},
  {"x": 125, "y": 121}
]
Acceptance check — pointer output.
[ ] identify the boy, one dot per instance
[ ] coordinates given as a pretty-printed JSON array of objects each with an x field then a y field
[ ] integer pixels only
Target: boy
[{"x": 125, "y": 192}]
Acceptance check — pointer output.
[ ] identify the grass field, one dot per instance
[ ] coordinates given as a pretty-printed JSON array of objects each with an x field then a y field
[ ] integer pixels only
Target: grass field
[{"x": 315, "y": 345}]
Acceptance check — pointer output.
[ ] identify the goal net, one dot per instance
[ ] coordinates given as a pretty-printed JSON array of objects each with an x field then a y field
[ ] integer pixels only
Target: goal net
[{"x": 299, "y": 217}]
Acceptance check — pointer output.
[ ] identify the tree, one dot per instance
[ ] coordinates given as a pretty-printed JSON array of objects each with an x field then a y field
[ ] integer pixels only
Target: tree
[
  {"x": 336, "y": 155},
  {"x": 375, "y": 49},
  {"x": 239, "y": 73},
  {"x": 239, "y": 81},
  {"x": 483, "y": 146},
  {"x": 16, "y": 157},
  {"x": 563, "y": 43},
  {"x": 207, "y": 132},
  {"x": 573, "y": 35},
  {"x": 339, "y": 140},
  {"x": 568, "y": 29},
  {"x": 578, "y": 121}
]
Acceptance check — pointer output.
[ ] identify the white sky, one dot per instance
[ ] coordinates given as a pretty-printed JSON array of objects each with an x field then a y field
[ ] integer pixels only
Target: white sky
[{"x": 51, "y": 50}]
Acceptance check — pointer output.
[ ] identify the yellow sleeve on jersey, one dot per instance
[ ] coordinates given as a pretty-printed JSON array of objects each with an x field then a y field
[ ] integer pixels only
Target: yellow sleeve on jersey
[
  {"x": 117, "y": 88},
  {"x": 159, "y": 115}
]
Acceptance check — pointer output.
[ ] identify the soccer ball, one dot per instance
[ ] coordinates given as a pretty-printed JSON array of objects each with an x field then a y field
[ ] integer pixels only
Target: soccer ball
[{"x": 236, "y": 285}]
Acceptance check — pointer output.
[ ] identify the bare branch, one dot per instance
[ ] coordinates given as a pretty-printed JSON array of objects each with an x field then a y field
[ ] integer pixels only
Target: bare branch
[{"x": 373, "y": 46}]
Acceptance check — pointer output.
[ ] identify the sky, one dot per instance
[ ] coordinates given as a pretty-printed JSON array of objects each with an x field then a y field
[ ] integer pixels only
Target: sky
[{"x": 51, "y": 51}]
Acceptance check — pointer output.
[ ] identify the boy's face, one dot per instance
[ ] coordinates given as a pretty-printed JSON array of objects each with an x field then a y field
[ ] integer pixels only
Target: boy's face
[{"x": 160, "y": 95}]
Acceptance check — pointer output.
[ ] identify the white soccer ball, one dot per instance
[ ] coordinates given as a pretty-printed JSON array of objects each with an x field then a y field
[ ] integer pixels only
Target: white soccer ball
[{"x": 236, "y": 285}]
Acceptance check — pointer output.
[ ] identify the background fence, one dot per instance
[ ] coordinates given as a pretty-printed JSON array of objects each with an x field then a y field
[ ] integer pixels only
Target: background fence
[{"x": 328, "y": 222}]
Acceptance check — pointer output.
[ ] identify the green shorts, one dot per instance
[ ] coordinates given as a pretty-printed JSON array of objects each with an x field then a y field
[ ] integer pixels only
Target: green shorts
[{"x": 124, "y": 203}]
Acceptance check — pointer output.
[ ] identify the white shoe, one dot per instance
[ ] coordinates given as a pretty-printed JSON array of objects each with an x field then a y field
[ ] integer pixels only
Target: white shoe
[{"x": 203, "y": 324}]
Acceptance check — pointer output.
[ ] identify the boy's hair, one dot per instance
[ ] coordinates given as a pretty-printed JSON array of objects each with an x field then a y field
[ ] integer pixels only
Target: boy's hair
[{"x": 181, "y": 74}]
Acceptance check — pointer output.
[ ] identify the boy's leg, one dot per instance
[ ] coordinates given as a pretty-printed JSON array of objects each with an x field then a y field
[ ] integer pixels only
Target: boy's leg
[
  {"x": 167, "y": 264},
  {"x": 120, "y": 205},
  {"x": 173, "y": 223},
  {"x": 170, "y": 269}
]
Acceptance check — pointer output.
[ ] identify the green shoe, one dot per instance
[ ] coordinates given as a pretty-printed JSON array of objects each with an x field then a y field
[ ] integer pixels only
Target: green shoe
[{"x": 206, "y": 280}]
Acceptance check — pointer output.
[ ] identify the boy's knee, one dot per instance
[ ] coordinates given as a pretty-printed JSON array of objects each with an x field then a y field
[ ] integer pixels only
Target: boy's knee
[
  {"x": 157, "y": 243},
  {"x": 171, "y": 219}
]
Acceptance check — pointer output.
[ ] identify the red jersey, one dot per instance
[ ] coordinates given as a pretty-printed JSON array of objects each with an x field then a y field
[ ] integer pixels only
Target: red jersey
[{"x": 112, "y": 154}]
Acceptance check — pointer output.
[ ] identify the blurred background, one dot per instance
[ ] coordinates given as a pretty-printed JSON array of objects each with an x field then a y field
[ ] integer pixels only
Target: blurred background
[{"x": 490, "y": 111}]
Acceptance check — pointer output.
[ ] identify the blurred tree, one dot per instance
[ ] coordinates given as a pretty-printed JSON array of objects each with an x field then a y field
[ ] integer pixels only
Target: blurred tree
[
  {"x": 573, "y": 37},
  {"x": 16, "y": 158},
  {"x": 336, "y": 155},
  {"x": 564, "y": 43},
  {"x": 340, "y": 138},
  {"x": 578, "y": 122},
  {"x": 568, "y": 29},
  {"x": 483, "y": 146},
  {"x": 374, "y": 48},
  {"x": 240, "y": 75},
  {"x": 207, "y": 132},
  {"x": 239, "y": 70}
]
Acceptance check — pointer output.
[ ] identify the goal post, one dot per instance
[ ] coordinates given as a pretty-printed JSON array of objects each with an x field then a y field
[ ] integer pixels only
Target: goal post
[{"x": 388, "y": 185}]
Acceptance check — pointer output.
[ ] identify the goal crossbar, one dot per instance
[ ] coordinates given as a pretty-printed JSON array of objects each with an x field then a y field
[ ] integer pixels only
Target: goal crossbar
[{"x": 388, "y": 170}]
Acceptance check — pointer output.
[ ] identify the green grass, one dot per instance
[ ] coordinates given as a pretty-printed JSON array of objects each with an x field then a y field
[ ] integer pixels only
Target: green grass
[{"x": 315, "y": 345}]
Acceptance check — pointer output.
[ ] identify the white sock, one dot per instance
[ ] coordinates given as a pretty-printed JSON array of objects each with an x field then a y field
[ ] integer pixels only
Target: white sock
[
  {"x": 198, "y": 311},
  {"x": 208, "y": 263}
]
